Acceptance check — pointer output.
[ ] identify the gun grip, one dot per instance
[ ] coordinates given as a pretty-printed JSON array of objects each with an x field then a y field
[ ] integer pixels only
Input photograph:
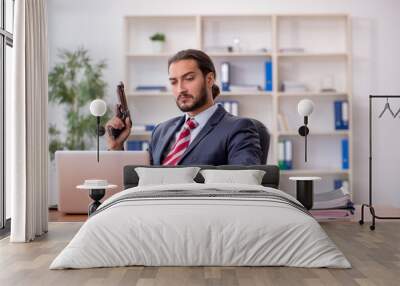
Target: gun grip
[{"x": 114, "y": 132}]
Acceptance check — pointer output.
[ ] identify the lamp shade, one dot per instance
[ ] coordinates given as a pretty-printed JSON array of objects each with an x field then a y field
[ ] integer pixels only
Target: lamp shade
[
  {"x": 98, "y": 107},
  {"x": 305, "y": 107}
]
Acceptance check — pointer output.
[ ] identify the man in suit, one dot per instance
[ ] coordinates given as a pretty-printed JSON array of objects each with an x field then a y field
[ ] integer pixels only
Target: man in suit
[{"x": 206, "y": 134}]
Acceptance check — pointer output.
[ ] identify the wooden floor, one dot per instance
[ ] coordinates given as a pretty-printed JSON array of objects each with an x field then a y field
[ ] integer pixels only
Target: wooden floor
[
  {"x": 374, "y": 255},
  {"x": 56, "y": 216}
]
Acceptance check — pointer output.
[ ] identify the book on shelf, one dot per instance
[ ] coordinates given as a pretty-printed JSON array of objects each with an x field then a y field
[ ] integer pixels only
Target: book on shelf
[
  {"x": 341, "y": 113},
  {"x": 137, "y": 145},
  {"x": 231, "y": 106},
  {"x": 144, "y": 128},
  {"x": 285, "y": 157},
  {"x": 338, "y": 183},
  {"x": 268, "y": 75},
  {"x": 345, "y": 153},
  {"x": 225, "y": 76},
  {"x": 151, "y": 88}
]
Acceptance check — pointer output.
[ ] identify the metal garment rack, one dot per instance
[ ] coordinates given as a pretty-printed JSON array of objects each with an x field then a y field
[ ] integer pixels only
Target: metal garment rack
[{"x": 370, "y": 206}]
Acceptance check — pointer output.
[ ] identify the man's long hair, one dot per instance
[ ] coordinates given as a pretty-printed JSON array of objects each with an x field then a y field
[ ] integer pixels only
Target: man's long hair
[{"x": 203, "y": 61}]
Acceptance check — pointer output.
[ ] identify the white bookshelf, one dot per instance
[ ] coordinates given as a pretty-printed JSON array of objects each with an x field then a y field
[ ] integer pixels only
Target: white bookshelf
[{"x": 325, "y": 40}]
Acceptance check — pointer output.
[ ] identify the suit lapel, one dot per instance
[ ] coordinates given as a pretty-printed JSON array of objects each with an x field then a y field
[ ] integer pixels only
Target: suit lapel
[
  {"x": 169, "y": 136},
  {"x": 211, "y": 123}
]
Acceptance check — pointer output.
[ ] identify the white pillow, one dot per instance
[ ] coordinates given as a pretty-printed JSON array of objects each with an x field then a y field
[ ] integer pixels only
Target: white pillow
[
  {"x": 165, "y": 176},
  {"x": 248, "y": 177}
]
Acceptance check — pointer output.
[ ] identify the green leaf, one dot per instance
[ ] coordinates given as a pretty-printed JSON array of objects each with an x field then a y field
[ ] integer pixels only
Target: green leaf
[{"x": 74, "y": 83}]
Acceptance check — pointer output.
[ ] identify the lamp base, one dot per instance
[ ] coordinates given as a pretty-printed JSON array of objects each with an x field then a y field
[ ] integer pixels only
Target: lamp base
[{"x": 304, "y": 131}]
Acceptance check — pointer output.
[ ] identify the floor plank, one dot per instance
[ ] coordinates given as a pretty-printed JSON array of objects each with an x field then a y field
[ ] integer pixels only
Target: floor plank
[{"x": 375, "y": 257}]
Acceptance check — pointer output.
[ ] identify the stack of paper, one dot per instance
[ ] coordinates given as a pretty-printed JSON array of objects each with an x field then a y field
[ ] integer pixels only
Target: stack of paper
[
  {"x": 332, "y": 205},
  {"x": 339, "y": 198}
]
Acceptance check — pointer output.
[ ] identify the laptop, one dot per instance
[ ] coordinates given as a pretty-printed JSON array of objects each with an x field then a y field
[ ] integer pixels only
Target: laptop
[{"x": 74, "y": 167}]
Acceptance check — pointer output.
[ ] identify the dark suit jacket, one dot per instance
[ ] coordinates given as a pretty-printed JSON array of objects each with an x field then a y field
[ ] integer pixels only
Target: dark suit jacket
[{"x": 224, "y": 140}]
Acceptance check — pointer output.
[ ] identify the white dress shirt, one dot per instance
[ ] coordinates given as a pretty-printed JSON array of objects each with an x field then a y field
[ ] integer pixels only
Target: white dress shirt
[{"x": 201, "y": 119}]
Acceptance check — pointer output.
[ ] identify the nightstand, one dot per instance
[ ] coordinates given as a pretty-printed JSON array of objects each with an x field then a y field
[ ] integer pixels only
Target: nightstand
[
  {"x": 96, "y": 193},
  {"x": 304, "y": 190}
]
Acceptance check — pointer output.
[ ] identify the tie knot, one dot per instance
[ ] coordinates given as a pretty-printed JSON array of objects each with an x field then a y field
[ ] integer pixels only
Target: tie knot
[{"x": 191, "y": 123}]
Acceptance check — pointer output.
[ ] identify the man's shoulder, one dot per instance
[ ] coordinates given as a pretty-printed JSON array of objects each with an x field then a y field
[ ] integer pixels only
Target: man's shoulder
[{"x": 237, "y": 121}]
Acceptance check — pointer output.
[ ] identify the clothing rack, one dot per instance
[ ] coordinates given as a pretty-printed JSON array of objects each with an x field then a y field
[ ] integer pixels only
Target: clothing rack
[{"x": 370, "y": 206}]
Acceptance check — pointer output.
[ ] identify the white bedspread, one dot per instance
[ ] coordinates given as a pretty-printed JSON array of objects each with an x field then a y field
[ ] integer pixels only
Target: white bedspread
[{"x": 181, "y": 231}]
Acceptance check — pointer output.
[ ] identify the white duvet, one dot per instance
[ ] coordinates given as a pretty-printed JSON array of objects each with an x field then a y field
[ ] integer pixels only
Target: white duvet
[{"x": 184, "y": 231}]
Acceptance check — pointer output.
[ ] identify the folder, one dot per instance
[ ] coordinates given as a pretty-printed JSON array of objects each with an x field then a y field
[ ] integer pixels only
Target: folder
[
  {"x": 288, "y": 154},
  {"x": 345, "y": 154},
  {"x": 134, "y": 145},
  {"x": 281, "y": 155},
  {"x": 225, "y": 76},
  {"x": 345, "y": 115},
  {"x": 337, "y": 184},
  {"x": 268, "y": 75},
  {"x": 338, "y": 114},
  {"x": 341, "y": 113}
]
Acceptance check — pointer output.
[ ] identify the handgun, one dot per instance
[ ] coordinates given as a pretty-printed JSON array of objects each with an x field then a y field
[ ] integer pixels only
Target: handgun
[{"x": 121, "y": 111}]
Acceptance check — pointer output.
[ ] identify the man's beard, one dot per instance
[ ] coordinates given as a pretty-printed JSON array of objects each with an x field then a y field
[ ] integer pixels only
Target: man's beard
[{"x": 201, "y": 101}]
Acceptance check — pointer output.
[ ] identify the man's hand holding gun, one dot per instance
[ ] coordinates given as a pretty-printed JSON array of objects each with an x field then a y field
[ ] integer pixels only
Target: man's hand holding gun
[{"x": 119, "y": 127}]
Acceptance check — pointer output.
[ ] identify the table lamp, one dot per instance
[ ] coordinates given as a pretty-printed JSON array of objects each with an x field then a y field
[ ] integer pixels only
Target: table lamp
[
  {"x": 98, "y": 108},
  {"x": 305, "y": 107}
]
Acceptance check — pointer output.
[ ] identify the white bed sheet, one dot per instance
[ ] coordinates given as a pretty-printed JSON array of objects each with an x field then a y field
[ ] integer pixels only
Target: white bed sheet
[{"x": 200, "y": 231}]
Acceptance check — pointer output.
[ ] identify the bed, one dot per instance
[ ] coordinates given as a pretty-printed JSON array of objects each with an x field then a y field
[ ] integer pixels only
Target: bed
[{"x": 201, "y": 224}]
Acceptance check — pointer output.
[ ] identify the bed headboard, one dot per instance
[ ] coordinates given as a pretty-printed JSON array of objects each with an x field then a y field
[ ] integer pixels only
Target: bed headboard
[{"x": 270, "y": 179}]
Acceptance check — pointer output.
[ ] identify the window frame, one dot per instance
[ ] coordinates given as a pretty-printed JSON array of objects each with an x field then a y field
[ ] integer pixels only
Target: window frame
[{"x": 6, "y": 39}]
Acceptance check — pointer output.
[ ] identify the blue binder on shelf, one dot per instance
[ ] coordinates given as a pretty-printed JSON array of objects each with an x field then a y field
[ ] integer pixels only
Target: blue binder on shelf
[
  {"x": 345, "y": 154},
  {"x": 341, "y": 114},
  {"x": 337, "y": 184},
  {"x": 338, "y": 114},
  {"x": 225, "y": 76},
  {"x": 268, "y": 75},
  {"x": 137, "y": 145},
  {"x": 288, "y": 155},
  {"x": 345, "y": 115},
  {"x": 150, "y": 127}
]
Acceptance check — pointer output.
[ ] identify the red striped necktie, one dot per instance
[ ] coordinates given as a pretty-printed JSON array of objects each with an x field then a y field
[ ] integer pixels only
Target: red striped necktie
[{"x": 181, "y": 144}]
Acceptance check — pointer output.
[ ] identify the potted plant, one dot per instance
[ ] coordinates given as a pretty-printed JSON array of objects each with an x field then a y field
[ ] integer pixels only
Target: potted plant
[
  {"x": 73, "y": 84},
  {"x": 158, "y": 41}
]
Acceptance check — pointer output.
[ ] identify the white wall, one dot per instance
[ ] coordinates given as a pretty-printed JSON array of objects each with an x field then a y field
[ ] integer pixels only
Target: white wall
[{"x": 97, "y": 25}]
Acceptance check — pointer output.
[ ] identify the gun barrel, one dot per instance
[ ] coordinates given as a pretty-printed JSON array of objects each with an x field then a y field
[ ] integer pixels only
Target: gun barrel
[{"x": 122, "y": 96}]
